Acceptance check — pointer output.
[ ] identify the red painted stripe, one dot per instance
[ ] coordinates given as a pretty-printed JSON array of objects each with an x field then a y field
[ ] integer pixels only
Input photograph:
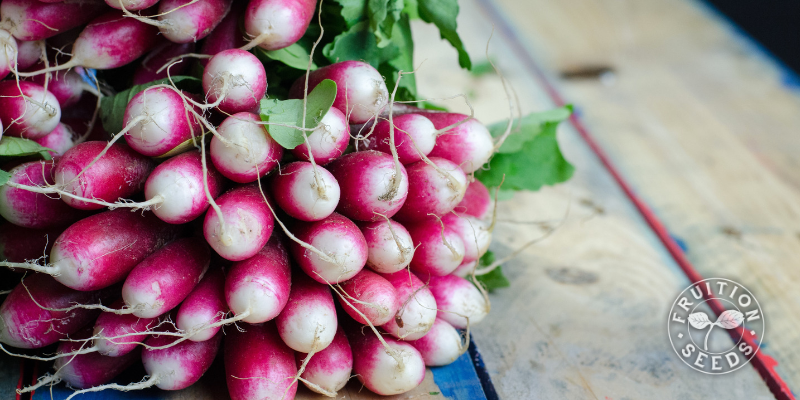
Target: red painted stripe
[{"x": 764, "y": 364}]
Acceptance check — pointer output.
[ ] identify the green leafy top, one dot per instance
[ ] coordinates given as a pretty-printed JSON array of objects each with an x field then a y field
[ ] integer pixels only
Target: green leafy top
[
  {"x": 11, "y": 147},
  {"x": 290, "y": 112}
]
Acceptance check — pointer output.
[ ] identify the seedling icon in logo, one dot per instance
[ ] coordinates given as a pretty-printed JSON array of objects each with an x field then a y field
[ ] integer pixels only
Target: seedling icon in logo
[{"x": 728, "y": 319}]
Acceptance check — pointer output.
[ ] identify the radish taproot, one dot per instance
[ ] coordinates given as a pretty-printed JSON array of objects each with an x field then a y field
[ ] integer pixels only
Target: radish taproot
[
  {"x": 248, "y": 223},
  {"x": 391, "y": 371},
  {"x": 246, "y": 151},
  {"x": 305, "y": 192},
  {"x": 390, "y": 245},
  {"x": 235, "y": 81},
  {"x": 416, "y": 307},
  {"x": 341, "y": 250}
]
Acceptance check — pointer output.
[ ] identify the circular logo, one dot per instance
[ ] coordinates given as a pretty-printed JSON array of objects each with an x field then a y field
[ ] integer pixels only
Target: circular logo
[{"x": 702, "y": 339}]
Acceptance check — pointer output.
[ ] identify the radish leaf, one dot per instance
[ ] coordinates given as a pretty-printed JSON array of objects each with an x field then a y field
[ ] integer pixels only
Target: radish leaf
[
  {"x": 443, "y": 13},
  {"x": 290, "y": 112},
  {"x": 4, "y": 177},
  {"x": 494, "y": 279},
  {"x": 19, "y": 147},
  {"x": 295, "y": 56}
]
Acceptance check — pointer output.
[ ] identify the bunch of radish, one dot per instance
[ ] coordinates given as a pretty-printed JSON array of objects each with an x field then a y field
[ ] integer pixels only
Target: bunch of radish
[{"x": 348, "y": 254}]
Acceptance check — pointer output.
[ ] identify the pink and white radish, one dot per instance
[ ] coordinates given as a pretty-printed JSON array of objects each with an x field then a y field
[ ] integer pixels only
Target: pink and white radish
[
  {"x": 66, "y": 86},
  {"x": 59, "y": 140},
  {"x": 328, "y": 141},
  {"x": 166, "y": 277},
  {"x": 8, "y": 53},
  {"x": 150, "y": 68},
  {"x": 441, "y": 346},
  {"x": 247, "y": 152},
  {"x": 27, "y": 109},
  {"x": 361, "y": 93},
  {"x": 469, "y": 144},
  {"x": 83, "y": 371},
  {"x": 184, "y": 21},
  {"x": 477, "y": 201},
  {"x": 275, "y": 24},
  {"x": 458, "y": 300},
  {"x": 329, "y": 369},
  {"x": 372, "y": 295},
  {"x": 28, "y": 52},
  {"x": 248, "y": 223},
  {"x": 414, "y": 137},
  {"x": 36, "y": 20},
  {"x": 204, "y": 307},
  {"x": 305, "y": 192},
  {"x": 390, "y": 246},
  {"x": 30, "y": 209},
  {"x": 438, "y": 188},
  {"x": 373, "y": 187},
  {"x": 18, "y": 244},
  {"x": 173, "y": 365},
  {"x": 416, "y": 309},
  {"x": 385, "y": 371},
  {"x": 158, "y": 121},
  {"x": 439, "y": 249},
  {"x": 341, "y": 251},
  {"x": 475, "y": 233},
  {"x": 258, "y": 365},
  {"x": 115, "y": 334},
  {"x": 308, "y": 322},
  {"x": 226, "y": 35},
  {"x": 257, "y": 289},
  {"x": 131, "y": 5},
  {"x": 234, "y": 81}
]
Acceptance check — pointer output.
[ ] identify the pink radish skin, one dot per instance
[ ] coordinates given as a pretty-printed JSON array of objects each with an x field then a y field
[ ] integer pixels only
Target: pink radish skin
[
  {"x": 179, "y": 182},
  {"x": 34, "y": 210},
  {"x": 28, "y": 53},
  {"x": 441, "y": 346},
  {"x": 66, "y": 86},
  {"x": 160, "y": 56},
  {"x": 294, "y": 189},
  {"x": 328, "y": 142},
  {"x": 252, "y": 152},
  {"x": 101, "y": 250},
  {"x": 440, "y": 250},
  {"x": 92, "y": 369},
  {"x": 204, "y": 306},
  {"x": 34, "y": 20},
  {"x": 330, "y": 368},
  {"x": 416, "y": 309},
  {"x": 131, "y": 5},
  {"x": 281, "y": 22},
  {"x": 181, "y": 365},
  {"x": 360, "y": 90},
  {"x": 18, "y": 244},
  {"x": 474, "y": 232},
  {"x": 226, "y": 35},
  {"x": 248, "y": 224},
  {"x": 465, "y": 269},
  {"x": 468, "y": 145},
  {"x": 477, "y": 201},
  {"x": 340, "y": 239},
  {"x": 26, "y": 325},
  {"x": 410, "y": 130},
  {"x": 191, "y": 22},
  {"x": 112, "y": 40},
  {"x": 366, "y": 181},
  {"x": 8, "y": 53},
  {"x": 244, "y": 76},
  {"x": 378, "y": 370},
  {"x": 308, "y": 322},
  {"x": 385, "y": 253},
  {"x": 259, "y": 355},
  {"x": 120, "y": 173},
  {"x": 166, "y": 124},
  {"x": 24, "y": 118},
  {"x": 456, "y": 297},
  {"x": 375, "y": 297},
  {"x": 166, "y": 277},
  {"x": 260, "y": 285},
  {"x": 109, "y": 325},
  {"x": 432, "y": 193},
  {"x": 59, "y": 140}
]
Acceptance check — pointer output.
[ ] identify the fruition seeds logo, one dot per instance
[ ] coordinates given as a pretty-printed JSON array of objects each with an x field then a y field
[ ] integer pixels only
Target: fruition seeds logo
[{"x": 704, "y": 343}]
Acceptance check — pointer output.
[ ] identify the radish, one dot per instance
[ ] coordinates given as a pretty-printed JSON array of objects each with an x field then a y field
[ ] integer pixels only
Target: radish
[
  {"x": 414, "y": 137},
  {"x": 148, "y": 70},
  {"x": 390, "y": 246},
  {"x": 28, "y": 52},
  {"x": 18, "y": 244},
  {"x": 475, "y": 233},
  {"x": 248, "y": 223},
  {"x": 275, "y": 24},
  {"x": 416, "y": 307},
  {"x": 234, "y": 81},
  {"x": 248, "y": 152},
  {"x": 305, "y": 192},
  {"x": 395, "y": 370},
  {"x": 175, "y": 366},
  {"x": 438, "y": 188},
  {"x": 131, "y": 5},
  {"x": 477, "y": 201},
  {"x": 441, "y": 346},
  {"x": 226, "y": 35},
  {"x": 328, "y": 141},
  {"x": 180, "y": 185},
  {"x": 8, "y": 53},
  {"x": 113, "y": 332},
  {"x": 329, "y": 369},
  {"x": 27, "y": 109},
  {"x": 372, "y": 295},
  {"x": 166, "y": 277},
  {"x": 184, "y": 21},
  {"x": 361, "y": 93},
  {"x": 465, "y": 269},
  {"x": 308, "y": 322},
  {"x": 30, "y": 209},
  {"x": 458, "y": 300},
  {"x": 119, "y": 173},
  {"x": 258, "y": 365},
  {"x": 158, "y": 121},
  {"x": 468, "y": 144},
  {"x": 204, "y": 306},
  {"x": 344, "y": 250},
  {"x": 24, "y": 323},
  {"x": 61, "y": 139},
  {"x": 257, "y": 289},
  {"x": 35, "y": 20},
  {"x": 66, "y": 86},
  {"x": 372, "y": 185},
  {"x": 88, "y": 370},
  {"x": 439, "y": 249}
]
